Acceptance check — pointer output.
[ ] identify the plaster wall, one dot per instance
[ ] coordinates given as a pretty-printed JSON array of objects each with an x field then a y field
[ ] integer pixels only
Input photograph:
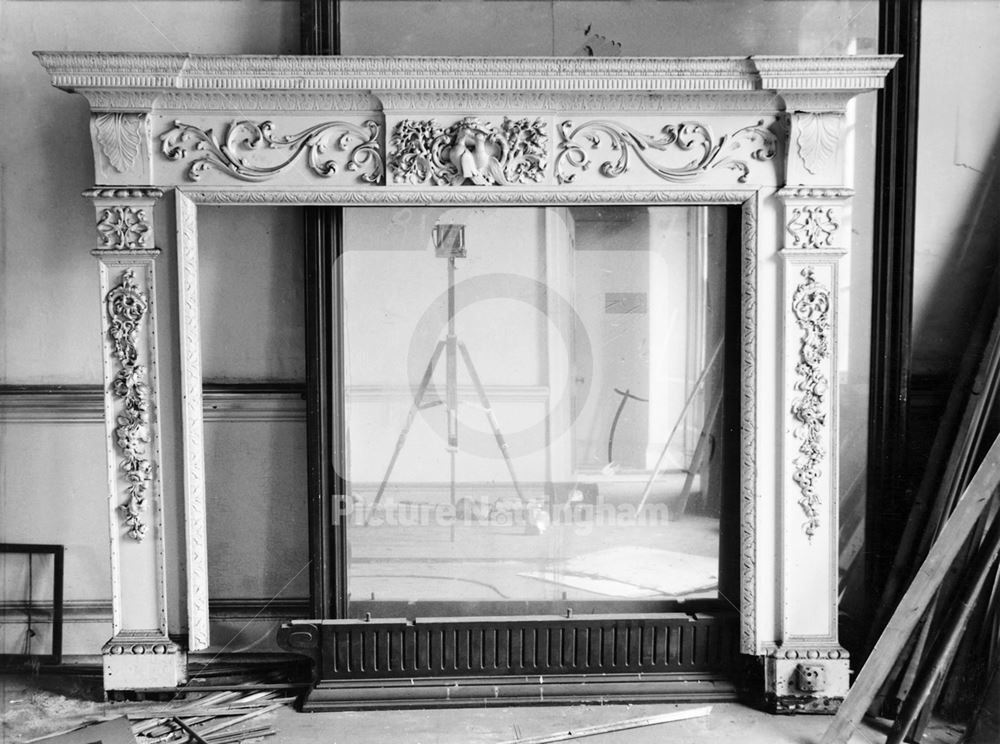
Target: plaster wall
[
  {"x": 957, "y": 220},
  {"x": 52, "y": 462}
]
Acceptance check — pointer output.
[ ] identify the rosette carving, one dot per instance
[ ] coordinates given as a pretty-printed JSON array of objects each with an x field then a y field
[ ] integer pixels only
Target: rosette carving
[
  {"x": 206, "y": 151},
  {"x": 422, "y": 152},
  {"x": 731, "y": 151},
  {"x": 811, "y": 308},
  {"x": 812, "y": 227},
  {"x": 127, "y": 306},
  {"x": 123, "y": 228}
]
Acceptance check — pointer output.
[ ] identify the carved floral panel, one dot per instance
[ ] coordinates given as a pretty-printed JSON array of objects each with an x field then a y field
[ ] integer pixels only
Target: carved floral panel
[
  {"x": 127, "y": 305},
  {"x": 811, "y": 306},
  {"x": 813, "y": 226},
  {"x": 468, "y": 151},
  {"x": 123, "y": 228}
]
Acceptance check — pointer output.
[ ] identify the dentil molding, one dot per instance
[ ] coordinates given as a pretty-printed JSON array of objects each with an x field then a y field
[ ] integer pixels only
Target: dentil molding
[{"x": 121, "y": 81}]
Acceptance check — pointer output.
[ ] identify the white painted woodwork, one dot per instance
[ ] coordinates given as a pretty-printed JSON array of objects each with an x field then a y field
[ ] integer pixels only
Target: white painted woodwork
[{"x": 763, "y": 133}]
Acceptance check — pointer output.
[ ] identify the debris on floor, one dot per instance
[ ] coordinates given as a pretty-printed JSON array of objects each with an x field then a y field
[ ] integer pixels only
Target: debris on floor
[
  {"x": 632, "y": 723},
  {"x": 223, "y": 717},
  {"x": 217, "y": 718},
  {"x": 117, "y": 731}
]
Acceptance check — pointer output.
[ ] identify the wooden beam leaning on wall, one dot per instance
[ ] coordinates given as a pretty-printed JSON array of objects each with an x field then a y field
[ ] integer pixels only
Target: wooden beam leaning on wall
[{"x": 970, "y": 507}]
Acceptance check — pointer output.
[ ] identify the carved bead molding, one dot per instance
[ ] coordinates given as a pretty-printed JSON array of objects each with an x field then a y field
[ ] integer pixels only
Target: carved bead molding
[
  {"x": 120, "y": 192},
  {"x": 126, "y": 307},
  {"x": 205, "y": 151},
  {"x": 813, "y": 227},
  {"x": 808, "y": 653},
  {"x": 120, "y": 137},
  {"x": 811, "y": 309},
  {"x": 133, "y": 645},
  {"x": 468, "y": 151},
  {"x": 728, "y": 151},
  {"x": 123, "y": 229}
]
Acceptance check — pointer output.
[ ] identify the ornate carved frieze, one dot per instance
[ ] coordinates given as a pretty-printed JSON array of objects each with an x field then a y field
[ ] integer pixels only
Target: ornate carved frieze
[
  {"x": 811, "y": 310},
  {"x": 120, "y": 137},
  {"x": 730, "y": 151},
  {"x": 123, "y": 228},
  {"x": 230, "y": 156},
  {"x": 468, "y": 151},
  {"x": 126, "y": 306},
  {"x": 813, "y": 226}
]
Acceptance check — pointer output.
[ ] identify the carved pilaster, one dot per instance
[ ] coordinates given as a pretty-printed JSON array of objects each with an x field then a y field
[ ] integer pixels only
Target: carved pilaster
[
  {"x": 140, "y": 654},
  {"x": 808, "y": 670}
]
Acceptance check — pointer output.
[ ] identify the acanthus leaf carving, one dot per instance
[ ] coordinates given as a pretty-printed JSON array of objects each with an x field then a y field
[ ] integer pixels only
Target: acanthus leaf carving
[
  {"x": 422, "y": 152},
  {"x": 817, "y": 139},
  {"x": 812, "y": 227},
  {"x": 120, "y": 137},
  {"x": 127, "y": 306},
  {"x": 206, "y": 151},
  {"x": 811, "y": 309},
  {"x": 687, "y": 136},
  {"x": 123, "y": 228}
]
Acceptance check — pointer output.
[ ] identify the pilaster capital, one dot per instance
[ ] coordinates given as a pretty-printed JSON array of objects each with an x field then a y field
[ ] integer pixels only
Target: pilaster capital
[{"x": 122, "y": 143}]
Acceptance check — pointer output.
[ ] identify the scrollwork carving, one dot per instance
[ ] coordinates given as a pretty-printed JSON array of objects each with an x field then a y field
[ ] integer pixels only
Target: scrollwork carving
[
  {"x": 422, "y": 152},
  {"x": 184, "y": 140},
  {"x": 811, "y": 309},
  {"x": 127, "y": 306},
  {"x": 812, "y": 227},
  {"x": 123, "y": 228},
  {"x": 710, "y": 153}
]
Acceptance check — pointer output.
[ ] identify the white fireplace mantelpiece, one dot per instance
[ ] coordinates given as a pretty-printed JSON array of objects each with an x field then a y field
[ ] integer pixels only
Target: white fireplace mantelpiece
[{"x": 765, "y": 133}]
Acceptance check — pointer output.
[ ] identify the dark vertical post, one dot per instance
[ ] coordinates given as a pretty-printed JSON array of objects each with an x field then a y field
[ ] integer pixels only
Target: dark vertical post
[
  {"x": 892, "y": 288},
  {"x": 326, "y": 450},
  {"x": 59, "y": 558}
]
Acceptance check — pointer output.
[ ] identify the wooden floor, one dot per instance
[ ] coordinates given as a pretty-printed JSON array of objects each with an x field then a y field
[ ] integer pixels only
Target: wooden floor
[{"x": 29, "y": 708}]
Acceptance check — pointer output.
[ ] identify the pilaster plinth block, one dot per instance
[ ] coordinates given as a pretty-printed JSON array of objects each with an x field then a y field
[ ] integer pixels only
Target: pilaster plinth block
[
  {"x": 143, "y": 660},
  {"x": 811, "y": 679}
]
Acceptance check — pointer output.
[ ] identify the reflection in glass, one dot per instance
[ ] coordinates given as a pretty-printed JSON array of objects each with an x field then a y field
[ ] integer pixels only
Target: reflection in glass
[{"x": 533, "y": 402}]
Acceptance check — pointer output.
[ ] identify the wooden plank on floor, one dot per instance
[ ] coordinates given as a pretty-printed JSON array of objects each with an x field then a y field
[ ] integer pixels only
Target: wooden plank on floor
[{"x": 916, "y": 599}]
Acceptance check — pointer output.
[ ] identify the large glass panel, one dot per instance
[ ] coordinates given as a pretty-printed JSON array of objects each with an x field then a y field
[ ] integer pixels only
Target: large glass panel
[{"x": 534, "y": 402}]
